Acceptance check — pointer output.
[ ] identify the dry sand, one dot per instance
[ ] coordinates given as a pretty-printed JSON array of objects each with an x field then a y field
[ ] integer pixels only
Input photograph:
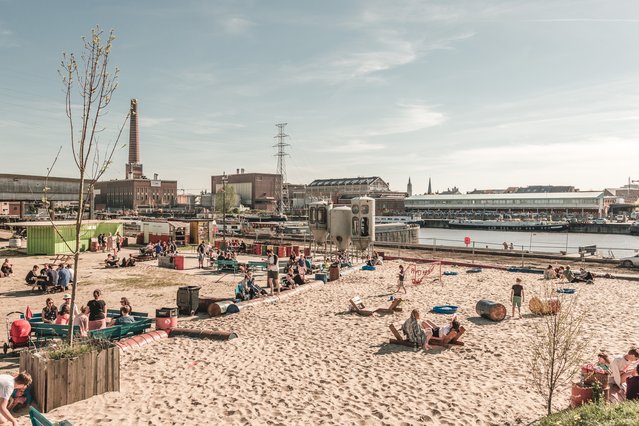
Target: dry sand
[{"x": 307, "y": 360}]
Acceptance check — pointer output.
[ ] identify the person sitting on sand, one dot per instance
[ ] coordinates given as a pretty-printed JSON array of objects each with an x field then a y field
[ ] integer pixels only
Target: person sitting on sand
[
  {"x": 289, "y": 278},
  {"x": 254, "y": 289},
  {"x": 242, "y": 291},
  {"x": 584, "y": 276},
  {"x": 569, "y": 275},
  {"x": 111, "y": 261},
  {"x": 449, "y": 330},
  {"x": 33, "y": 278},
  {"x": 49, "y": 312},
  {"x": 298, "y": 279},
  {"x": 418, "y": 332},
  {"x": 6, "y": 269},
  {"x": 549, "y": 273}
]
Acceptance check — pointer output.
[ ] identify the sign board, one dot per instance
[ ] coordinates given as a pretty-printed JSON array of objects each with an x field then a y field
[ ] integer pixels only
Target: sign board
[{"x": 156, "y": 183}]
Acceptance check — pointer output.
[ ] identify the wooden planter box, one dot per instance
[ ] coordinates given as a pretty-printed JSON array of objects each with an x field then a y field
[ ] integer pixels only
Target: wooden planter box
[{"x": 65, "y": 381}]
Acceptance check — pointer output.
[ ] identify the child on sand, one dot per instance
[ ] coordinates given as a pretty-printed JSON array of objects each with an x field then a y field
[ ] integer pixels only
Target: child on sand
[
  {"x": 400, "y": 281},
  {"x": 517, "y": 296}
]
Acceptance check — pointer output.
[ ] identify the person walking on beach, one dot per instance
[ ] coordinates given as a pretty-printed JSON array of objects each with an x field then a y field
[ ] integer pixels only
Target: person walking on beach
[
  {"x": 517, "y": 296},
  {"x": 400, "y": 279}
]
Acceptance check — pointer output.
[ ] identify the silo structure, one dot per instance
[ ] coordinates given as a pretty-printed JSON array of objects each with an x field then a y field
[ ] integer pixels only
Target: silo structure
[
  {"x": 340, "y": 226},
  {"x": 318, "y": 213},
  {"x": 363, "y": 222}
]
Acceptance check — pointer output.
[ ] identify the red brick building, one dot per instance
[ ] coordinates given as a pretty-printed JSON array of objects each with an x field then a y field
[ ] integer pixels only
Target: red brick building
[{"x": 258, "y": 191}]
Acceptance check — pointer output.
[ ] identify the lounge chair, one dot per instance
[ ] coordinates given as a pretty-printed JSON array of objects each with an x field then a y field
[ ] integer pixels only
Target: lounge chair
[
  {"x": 392, "y": 308},
  {"x": 439, "y": 341},
  {"x": 38, "y": 419},
  {"x": 358, "y": 306}
]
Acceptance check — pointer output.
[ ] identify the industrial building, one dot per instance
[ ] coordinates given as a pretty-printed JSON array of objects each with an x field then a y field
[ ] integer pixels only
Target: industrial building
[
  {"x": 257, "y": 191},
  {"x": 136, "y": 191}
]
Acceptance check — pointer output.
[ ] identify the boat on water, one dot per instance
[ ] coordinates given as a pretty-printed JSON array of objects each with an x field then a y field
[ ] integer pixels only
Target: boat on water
[{"x": 508, "y": 225}]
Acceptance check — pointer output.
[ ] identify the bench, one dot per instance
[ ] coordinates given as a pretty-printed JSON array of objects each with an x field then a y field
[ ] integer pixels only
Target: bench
[
  {"x": 63, "y": 258},
  {"x": 38, "y": 419},
  {"x": 227, "y": 266},
  {"x": 592, "y": 250}
]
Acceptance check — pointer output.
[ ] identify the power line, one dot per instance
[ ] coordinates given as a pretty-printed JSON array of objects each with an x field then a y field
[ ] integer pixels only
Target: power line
[{"x": 281, "y": 164}]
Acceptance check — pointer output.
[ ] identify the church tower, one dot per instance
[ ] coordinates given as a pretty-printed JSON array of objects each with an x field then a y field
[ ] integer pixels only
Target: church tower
[
  {"x": 430, "y": 188},
  {"x": 409, "y": 188}
]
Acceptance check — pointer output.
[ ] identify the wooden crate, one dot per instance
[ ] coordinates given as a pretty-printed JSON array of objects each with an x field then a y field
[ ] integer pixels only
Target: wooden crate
[{"x": 65, "y": 381}]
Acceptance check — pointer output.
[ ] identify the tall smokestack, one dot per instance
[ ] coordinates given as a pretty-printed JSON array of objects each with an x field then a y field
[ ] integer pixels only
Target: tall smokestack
[
  {"x": 134, "y": 135},
  {"x": 133, "y": 167}
]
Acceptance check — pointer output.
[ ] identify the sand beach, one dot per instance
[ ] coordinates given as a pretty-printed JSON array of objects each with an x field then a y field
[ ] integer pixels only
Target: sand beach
[{"x": 308, "y": 360}]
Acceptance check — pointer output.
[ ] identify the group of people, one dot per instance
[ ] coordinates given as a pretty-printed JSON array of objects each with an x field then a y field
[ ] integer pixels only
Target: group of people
[
  {"x": 91, "y": 316},
  {"x": 583, "y": 276},
  {"x": 110, "y": 242},
  {"x": 420, "y": 331},
  {"x": 247, "y": 289},
  {"x": 50, "y": 277},
  {"x": 622, "y": 373},
  {"x": 159, "y": 248},
  {"x": 113, "y": 261}
]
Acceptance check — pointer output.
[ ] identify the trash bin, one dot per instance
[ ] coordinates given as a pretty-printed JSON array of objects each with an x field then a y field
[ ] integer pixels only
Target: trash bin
[
  {"x": 333, "y": 273},
  {"x": 188, "y": 298},
  {"x": 179, "y": 262},
  {"x": 166, "y": 318},
  {"x": 258, "y": 249}
]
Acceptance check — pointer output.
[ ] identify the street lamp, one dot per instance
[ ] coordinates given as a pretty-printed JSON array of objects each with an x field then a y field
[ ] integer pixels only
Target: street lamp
[{"x": 224, "y": 180}]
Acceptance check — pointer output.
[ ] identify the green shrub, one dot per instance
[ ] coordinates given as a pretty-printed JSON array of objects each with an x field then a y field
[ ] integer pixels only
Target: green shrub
[
  {"x": 65, "y": 351},
  {"x": 623, "y": 414}
]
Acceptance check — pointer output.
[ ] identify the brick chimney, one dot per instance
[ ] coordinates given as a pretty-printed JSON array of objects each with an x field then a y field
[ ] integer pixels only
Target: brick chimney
[{"x": 133, "y": 167}]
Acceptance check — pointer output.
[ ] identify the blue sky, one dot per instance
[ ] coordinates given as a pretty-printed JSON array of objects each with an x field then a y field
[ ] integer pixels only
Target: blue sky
[{"x": 475, "y": 94}]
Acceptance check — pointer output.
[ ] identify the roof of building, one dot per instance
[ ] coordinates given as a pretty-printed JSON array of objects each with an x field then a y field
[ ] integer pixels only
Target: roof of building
[
  {"x": 520, "y": 196},
  {"x": 344, "y": 181}
]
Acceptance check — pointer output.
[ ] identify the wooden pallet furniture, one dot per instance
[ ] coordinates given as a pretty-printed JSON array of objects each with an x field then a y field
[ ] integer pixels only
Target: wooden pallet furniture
[{"x": 358, "y": 306}]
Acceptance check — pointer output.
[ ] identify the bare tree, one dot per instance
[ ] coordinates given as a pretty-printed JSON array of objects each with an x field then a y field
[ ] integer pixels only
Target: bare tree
[
  {"x": 558, "y": 346},
  {"x": 90, "y": 85}
]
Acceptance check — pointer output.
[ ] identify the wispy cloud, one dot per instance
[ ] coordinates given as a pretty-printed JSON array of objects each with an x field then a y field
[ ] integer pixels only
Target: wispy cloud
[
  {"x": 351, "y": 147},
  {"x": 407, "y": 118},
  {"x": 237, "y": 25},
  {"x": 7, "y": 37},
  {"x": 391, "y": 50},
  {"x": 594, "y": 20}
]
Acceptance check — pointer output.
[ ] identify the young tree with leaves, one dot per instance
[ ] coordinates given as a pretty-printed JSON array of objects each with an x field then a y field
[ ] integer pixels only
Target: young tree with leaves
[
  {"x": 89, "y": 84},
  {"x": 559, "y": 346}
]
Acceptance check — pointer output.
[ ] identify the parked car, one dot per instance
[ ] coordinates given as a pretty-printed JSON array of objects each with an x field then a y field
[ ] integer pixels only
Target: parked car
[
  {"x": 630, "y": 262},
  {"x": 601, "y": 221},
  {"x": 620, "y": 218}
]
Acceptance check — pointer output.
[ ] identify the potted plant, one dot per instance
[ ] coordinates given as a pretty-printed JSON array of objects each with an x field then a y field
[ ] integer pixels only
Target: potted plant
[{"x": 63, "y": 373}]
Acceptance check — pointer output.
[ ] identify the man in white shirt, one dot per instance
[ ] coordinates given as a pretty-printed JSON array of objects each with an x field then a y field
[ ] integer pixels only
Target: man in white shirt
[
  {"x": 7, "y": 385},
  {"x": 620, "y": 367}
]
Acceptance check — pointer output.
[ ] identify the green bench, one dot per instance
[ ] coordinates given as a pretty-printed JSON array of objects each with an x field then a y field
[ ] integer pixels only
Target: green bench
[
  {"x": 227, "y": 266},
  {"x": 38, "y": 419},
  {"x": 61, "y": 331}
]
